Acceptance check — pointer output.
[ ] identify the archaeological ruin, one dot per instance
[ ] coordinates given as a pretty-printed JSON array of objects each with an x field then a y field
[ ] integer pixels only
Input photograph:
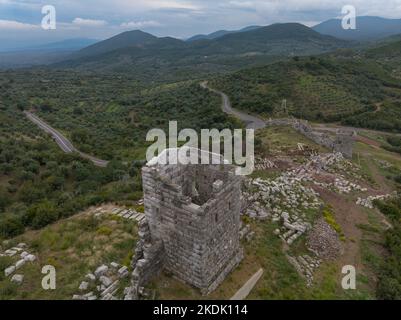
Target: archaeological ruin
[
  {"x": 342, "y": 142},
  {"x": 192, "y": 226}
]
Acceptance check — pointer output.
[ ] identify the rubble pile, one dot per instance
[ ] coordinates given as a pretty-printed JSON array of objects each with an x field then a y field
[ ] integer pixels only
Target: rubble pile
[
  {"x": 246, "y": 232},
  {"x": 103, "y": 283},
  {"x": 305, "y": 266},
  {"x": 264, "y": 164},
  {"x": 341, "y": 185},
  {"x": 323, "y": 240},
  {"x": 368, "y": 202},
  {"x": 384, "y": 164},
  {"x": 282, "y": 200},
  {"x": 20, "y": 252},
  {"x": 130, "y": 214}
]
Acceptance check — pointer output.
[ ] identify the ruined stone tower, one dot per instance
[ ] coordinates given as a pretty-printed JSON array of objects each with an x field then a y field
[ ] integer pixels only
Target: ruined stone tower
[
  {"x": 194, "y": 211},
  {"x": 344, "y": 143}
]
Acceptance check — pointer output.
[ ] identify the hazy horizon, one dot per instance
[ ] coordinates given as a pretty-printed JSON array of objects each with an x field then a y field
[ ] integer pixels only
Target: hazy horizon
[{"x": 20, "y": 20}]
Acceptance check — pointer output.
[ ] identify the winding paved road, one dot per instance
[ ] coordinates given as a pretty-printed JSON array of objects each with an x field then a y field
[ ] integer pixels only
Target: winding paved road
[
  {"x": 252, "y": 122},
  {"x": 62, "y": 141}
]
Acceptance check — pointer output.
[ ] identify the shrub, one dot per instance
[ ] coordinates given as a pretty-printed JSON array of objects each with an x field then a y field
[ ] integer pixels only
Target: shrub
[
  {"x": 329, "y": 217},
  {"x": 389, "y": 284},
  {"x": 11, "y": 227},
  {"x": 104, "y": 231},
  {"x": 42, "y": 214}
]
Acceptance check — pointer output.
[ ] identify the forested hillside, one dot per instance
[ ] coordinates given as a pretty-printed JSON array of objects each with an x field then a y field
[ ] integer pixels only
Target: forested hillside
[
  {"x": 356, "y": 88},
  {"x": 106, "y": 116}
]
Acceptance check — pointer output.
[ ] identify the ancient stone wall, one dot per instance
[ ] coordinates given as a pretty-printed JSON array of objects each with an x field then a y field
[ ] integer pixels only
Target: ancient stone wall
[
  {"x": 343, "y": 141},
  {"x": 147, "y": 262}
]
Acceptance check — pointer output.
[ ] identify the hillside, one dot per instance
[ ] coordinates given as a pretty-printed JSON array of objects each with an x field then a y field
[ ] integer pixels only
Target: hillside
[
  {"x": 220, "y": 33},
  {"x": 325, "y": 88},
  {"x": 368, "y": 28},
  {"x": 123, "y": 40},
  {"x": 161, "y": 58}
]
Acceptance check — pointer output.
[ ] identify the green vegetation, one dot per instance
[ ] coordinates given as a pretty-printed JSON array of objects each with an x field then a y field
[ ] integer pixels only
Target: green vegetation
[
  {"x": 106, "y": 116},
  {"x": 354, "y": 90},
  {"x": 75, "y": 247},
  {"x": 389, "y": 286},
  {"x": 393, "y": 144},
  {"x": 168, "y": 59},
  {"x": 330, "y": 219}
]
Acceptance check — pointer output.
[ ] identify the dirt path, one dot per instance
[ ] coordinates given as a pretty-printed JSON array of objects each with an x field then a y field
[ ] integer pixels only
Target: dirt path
[{"x": 348, "y": 215}]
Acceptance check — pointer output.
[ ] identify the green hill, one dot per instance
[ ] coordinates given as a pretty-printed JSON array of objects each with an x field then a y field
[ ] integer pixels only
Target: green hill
[
  {"x": 324, "y": 88},
  {"x": 123, "y": 40}
]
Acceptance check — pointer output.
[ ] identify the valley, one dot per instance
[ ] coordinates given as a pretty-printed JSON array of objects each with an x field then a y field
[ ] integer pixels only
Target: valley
[{"x": 73, "y": 145}]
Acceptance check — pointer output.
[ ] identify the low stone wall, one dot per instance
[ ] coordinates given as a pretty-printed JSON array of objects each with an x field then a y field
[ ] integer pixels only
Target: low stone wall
[
  {"x": 147, "y": 262},
  {"x": 343, "y": 141}
]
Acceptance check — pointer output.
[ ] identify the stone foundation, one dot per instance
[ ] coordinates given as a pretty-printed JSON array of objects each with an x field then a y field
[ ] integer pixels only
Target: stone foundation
[{"x": 343, "y": 141}]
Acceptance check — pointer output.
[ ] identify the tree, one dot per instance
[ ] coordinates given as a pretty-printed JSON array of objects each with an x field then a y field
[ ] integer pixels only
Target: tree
[
  {"x": 11, "y": 227},
  {"x": 4, "y": 199},
  {"x": 42, "y": 214}
]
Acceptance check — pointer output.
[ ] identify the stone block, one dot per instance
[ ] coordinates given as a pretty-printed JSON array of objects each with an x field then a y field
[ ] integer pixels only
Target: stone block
[
  {"x": 101, "y": 271},
  {"x": 9, "y": 271},
  {"x": 17, "y": 278}
]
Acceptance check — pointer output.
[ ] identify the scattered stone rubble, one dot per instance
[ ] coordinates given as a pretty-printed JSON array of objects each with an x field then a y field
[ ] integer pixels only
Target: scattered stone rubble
[
  {"x": 332, "y": 163},
  {"x": 342, "y": 142},
  {"x": 246, "y": 233},
  {"x": 285, "y": 199},
  {"x": 384, "y": 164},
  {"x": 264, "y": 164},
  {"x": 147, "y": 262},
  {"x": 324, "y": 241},
  {"x": 103, "y": 283},
  {"x": 368, "y": 202},
  {"x": 305, "y": 266},
  {"x": 130, "y": 214},
  {"x": 22, "y": 257}
]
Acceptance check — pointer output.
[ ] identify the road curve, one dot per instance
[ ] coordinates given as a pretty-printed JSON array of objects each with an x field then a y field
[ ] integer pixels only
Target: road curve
[
  {"x": 252, "y": 122},
  {"x": 62, "y": 141}
]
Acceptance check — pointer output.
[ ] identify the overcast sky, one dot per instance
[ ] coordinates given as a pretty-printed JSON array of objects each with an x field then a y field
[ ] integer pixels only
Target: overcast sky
[{"x": 20, "y": 19}]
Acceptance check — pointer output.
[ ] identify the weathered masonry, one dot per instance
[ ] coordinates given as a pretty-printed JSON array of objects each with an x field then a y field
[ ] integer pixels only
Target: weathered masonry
[
  {"x": 342, "y": 142},
  {"x": 193, "y": 213}
]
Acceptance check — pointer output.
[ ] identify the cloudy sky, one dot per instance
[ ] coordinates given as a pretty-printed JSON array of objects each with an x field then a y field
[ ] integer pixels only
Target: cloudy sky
[{"x": 20, "y": 20}]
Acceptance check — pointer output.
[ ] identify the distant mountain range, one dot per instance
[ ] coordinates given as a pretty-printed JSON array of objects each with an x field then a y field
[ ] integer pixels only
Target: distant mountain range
[
  {"x": 140, "y": 52},
  {"x": 220, "y": 33},
  {"x": 367, "y": 28},
  {"x": 220, "y": 50}
]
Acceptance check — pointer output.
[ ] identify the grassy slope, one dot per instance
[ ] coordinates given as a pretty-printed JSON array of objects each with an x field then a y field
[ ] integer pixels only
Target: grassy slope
[{"x": 75, "y": 247}]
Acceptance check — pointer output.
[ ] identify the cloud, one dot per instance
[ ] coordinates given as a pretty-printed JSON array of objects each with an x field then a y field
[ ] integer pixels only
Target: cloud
[
  {"x": 89, "y": 22},
  {"x": 140, "y": 24},
  {"x": 178, "y": 18},
  {"x": 241, "y": 4},
  {"x": 15, "y": 25},
  {"x": 158, "y": 4}
]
